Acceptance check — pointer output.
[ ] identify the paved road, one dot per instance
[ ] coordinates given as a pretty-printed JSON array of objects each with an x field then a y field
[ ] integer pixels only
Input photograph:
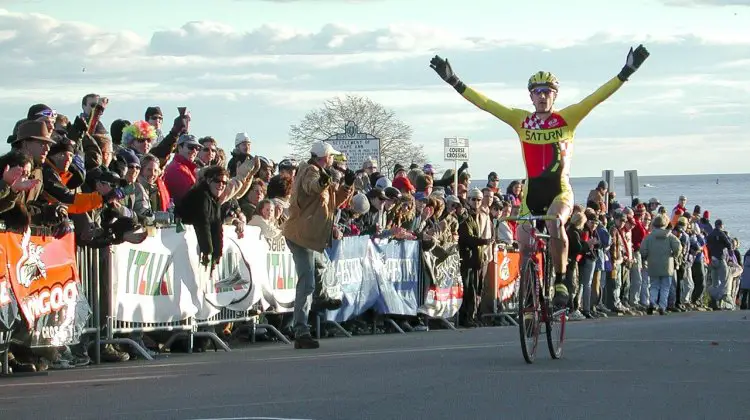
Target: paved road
[{"x": 686, "y": 366}]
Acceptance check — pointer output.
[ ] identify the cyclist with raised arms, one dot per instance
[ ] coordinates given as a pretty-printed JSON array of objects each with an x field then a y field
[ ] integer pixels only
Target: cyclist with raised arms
[{"x": 546, "y": 142}]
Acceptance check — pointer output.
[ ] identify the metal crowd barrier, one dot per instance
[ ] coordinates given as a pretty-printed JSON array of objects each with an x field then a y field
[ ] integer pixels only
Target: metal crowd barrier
[
  {"x": 250, "y": 317},
  {"x": 95, "y": 271}
]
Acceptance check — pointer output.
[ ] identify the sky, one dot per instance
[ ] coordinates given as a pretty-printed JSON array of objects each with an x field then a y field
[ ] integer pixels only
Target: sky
[{"x": 258, "y": 66}]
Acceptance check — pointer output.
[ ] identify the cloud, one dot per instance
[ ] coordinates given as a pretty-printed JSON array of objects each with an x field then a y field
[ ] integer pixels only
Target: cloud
[{"x": 264, "y": 79}]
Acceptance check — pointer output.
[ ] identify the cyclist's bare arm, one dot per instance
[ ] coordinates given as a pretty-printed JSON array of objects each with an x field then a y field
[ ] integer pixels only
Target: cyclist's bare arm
[{"x": 573, "y": 114}]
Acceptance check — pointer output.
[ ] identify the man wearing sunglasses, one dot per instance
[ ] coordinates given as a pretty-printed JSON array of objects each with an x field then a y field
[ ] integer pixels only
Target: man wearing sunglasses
[
  {"x": 207, "y": 155},
  {"x": 546, "y": 142},
  {"x": 180, "y": 173},
  {"x": 88, "y": 103}
]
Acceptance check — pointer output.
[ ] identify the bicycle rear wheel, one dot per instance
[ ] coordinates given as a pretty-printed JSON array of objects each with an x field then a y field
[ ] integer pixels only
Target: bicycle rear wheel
[{"x": 528, "y": 311}]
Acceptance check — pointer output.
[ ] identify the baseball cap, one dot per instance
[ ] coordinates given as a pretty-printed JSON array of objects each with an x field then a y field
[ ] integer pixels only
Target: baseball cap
[
  {"x": 241, "y": 138},
  {"x": 188, "y": 139},
  {"x": 323, "y": 149}
]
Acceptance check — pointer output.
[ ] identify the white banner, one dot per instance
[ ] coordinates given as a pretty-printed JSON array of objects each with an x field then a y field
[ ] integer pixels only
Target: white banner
[
  {"x": 147, "y": 285},
  {"x": 280, "y": 290},
  {"x": 236, "y": 283},
  {"x": 161, "y": 279}
]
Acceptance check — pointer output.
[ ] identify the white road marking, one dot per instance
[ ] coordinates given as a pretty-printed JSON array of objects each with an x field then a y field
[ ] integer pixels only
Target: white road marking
[{"x": 15, "y": 384}]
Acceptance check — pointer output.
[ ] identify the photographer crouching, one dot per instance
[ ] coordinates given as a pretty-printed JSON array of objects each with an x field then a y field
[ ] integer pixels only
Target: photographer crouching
[{"x": 309, "y": 230}]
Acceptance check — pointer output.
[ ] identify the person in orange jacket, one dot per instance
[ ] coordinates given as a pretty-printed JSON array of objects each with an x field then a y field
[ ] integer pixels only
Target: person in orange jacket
[{"x": 58, "y": 189}]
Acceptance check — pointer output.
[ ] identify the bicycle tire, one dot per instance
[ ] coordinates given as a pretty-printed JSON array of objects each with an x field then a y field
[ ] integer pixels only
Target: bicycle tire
[
  {"x": 529, "y": 290},
  {"x": 555, "y": 325},
  {"x": 554, "y": 320}
]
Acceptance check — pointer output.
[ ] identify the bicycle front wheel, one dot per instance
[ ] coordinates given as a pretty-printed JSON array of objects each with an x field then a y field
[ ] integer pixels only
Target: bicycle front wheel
[
  {"x": 555, "y": 325},
  {"x": 528, "y": 311}
]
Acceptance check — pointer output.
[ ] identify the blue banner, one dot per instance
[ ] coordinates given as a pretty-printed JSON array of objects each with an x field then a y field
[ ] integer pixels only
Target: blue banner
[
  {"x": 398, "y": 277},
  {"x": 352, "y": 276}
]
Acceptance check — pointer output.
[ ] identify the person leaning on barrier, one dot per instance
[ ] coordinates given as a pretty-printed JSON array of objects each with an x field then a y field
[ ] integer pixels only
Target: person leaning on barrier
[
  {"x": 16, "y": 166},
  {"x": 201, "y": 207},
  {"x": 309, "y": 230},
  {"x": 473, "y": 257}
]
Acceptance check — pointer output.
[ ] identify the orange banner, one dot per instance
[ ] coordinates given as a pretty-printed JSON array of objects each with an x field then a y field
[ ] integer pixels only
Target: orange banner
[{"x": 45, "y": 282}]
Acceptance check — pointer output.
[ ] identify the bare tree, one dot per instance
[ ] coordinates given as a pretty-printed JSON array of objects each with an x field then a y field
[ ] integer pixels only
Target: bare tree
[{"x": 371, "y": 117}]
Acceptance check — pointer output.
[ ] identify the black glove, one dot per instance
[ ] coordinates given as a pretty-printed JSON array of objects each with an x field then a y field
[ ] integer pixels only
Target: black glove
[
  {"x": 444, "y": 70},
  {"x": 325, "y": 178},
  {"x": 464, "y": 166},
  {"x": 349, "y": 177},
  {"x": 61, "y": 229},
  {"x": 633, "y": 62},
  {"x": 54, "y": 213},
  {"x": 180, "y": 125}
]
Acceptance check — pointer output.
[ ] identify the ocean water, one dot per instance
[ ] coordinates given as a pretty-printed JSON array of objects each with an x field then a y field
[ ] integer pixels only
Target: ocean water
[{"x": 726, "y": 197}]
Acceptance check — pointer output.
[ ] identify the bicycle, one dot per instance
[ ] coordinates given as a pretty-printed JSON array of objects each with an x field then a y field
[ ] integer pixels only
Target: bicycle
[{"x": 534, "y": 297}]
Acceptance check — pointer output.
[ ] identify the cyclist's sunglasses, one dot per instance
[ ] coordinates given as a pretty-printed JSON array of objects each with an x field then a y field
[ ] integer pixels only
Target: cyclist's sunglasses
[{"x": 541, "y": 90}]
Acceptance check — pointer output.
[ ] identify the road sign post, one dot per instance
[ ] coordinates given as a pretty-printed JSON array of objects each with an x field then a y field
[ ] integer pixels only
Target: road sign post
[
  {"x": 456, "y": 149},
  {"x": 631, "y": 183}
]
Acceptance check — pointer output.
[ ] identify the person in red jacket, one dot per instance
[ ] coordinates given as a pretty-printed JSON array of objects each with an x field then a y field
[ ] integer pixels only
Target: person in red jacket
[
  {"x": 638, "y": 290},
  {"x": 180, "y": 174}
]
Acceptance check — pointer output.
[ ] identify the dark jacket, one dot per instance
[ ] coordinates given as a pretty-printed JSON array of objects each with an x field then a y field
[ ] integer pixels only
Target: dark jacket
[
  {"x": 470, "y": 243},
  {"x": 202, "y": 210},
  {"x": 716, "y": 242}
]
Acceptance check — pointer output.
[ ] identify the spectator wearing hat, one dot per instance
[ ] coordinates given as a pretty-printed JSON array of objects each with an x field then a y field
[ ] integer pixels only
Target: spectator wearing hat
[
  {"x": 472, "y": 246},
  {"x": 399, "y": 171},
  {"x": 34, "y": 138},
  {"x": 681, "y": 206},
  {"x": 164, "y": 146},
  {"x": 351, "y": 218},
  {"x": 705, "y": 223},
  {"x": 403, "y": 185},
  {"x": 241, "y": 151},
  {"x": 115, "y": 130},
  {"x": 659, "y": 250},
  {"x": 309, "y": 231},
  {"x": 288, "y": 167},
  {"x": 155, "y": 118},
  {"x": 57, "y": 189},
  {"x": 493, "y": 182},
  {"x": 136, "y": 203},
  {"x": 376, "y": 220},
  {"x": 446, "y": 181},
  {"x": 180, "y": 174},
  {"x": 598, "y": 197}
]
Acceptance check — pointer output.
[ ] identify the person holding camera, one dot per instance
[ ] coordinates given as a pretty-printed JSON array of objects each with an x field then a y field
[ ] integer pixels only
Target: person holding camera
[{"x": 308, "y": 231}]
